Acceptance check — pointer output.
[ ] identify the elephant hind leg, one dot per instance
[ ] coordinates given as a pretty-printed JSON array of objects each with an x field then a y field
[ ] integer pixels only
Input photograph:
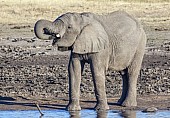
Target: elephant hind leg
[
  {"x": 129, "y": 91},
  {"x": 132, "y": 76}
]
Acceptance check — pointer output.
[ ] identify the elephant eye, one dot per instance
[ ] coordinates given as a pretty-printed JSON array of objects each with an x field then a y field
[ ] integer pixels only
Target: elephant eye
[{"x": 69, "y": 27}]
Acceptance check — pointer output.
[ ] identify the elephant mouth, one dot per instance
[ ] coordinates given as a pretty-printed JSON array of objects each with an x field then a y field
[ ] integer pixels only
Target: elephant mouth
[
  {"x": 62, "y": 48},
  {"x": 54, "y": 41}
]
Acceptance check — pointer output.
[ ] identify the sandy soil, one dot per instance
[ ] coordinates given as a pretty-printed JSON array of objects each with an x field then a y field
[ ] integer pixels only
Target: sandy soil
[
  {"x": 157, "y": 55},
  {"x": 8, "y": 103}
]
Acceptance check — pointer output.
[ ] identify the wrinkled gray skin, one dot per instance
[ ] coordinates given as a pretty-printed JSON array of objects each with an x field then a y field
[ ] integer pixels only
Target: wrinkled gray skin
[{"x": 115, "y": 41}]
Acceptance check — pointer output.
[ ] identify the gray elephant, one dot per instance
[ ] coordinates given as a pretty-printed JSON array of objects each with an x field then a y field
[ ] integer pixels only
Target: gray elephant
[{"x": 115, "y": 41}]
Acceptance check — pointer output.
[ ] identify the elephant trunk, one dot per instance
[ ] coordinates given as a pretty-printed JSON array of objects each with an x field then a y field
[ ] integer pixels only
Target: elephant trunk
[{"x": 42, "y": 29}]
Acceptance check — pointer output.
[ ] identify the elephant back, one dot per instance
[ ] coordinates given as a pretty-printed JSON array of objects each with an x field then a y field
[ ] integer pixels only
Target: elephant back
[{"x": 124, "y": 32}]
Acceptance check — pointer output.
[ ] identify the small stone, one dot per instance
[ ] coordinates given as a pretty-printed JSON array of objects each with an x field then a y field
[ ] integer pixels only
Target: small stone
[
  {"x": 33, "y": 54},
  {"x": 41, "y": 53},
  {"x": 150, "y": 109},
  {"x": 14, "y": 40},
  {"x": 48, "y": 48}
]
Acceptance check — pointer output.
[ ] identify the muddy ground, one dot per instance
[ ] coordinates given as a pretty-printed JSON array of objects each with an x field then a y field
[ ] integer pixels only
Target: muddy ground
[{"x": 20, "y": 49}]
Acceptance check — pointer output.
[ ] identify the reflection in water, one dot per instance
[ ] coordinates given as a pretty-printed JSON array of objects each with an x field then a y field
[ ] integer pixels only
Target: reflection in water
[
  {"x": 77, "y": 114},
  {"x": 74, "y": 114},
  {"x": 41, "y": 116},
  {"x": 104, "y": 114},
  {"x": 128, "y": 114}
]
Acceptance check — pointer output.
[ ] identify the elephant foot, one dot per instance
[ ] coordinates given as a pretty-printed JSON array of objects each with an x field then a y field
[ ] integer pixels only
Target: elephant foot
[
  {"x": 129, "y": 103},
  {"x": 101, "y": 107},
  {"x": 73, "y": 107}
]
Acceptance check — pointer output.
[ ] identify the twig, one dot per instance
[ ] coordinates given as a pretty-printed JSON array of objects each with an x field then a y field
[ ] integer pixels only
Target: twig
[{"x": 39, "y": 109}]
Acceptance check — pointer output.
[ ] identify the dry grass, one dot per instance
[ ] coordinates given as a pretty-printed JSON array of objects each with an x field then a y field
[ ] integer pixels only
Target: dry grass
[{"x": 29, "y": 11}]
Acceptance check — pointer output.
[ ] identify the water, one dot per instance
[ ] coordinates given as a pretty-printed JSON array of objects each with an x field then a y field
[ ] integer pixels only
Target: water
[{"x": 82, "y": 114}]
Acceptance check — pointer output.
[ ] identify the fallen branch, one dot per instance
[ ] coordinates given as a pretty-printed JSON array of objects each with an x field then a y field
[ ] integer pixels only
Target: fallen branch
[{"x": 39, "y": 109}]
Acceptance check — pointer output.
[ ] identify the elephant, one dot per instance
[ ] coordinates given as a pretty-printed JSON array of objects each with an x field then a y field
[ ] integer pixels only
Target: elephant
[{"x": 114, "y": 41}]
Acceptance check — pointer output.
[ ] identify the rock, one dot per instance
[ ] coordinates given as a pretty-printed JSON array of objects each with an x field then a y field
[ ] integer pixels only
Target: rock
[
  {"x": 49, "y": 48},
  {"x": 41, "y": 53},
  {"x": 31, "y": 40},
  {"x": 14, "y": 40},
  {"x": 33, "y": 54},
  {"x": 150, "y": 109}
]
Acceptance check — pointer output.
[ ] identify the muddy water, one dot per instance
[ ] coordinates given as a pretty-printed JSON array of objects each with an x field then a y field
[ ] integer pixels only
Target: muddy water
[{"x": 83, "y": 114}]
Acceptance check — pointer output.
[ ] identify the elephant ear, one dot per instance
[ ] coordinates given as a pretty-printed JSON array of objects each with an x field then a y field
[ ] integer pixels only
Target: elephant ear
[{"x": 91, "y": 39}]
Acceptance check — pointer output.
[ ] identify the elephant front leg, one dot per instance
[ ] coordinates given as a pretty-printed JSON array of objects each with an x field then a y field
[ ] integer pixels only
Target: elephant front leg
[
  {"x": 75, "y": 67},
  {"x": 98, "y": 74}
]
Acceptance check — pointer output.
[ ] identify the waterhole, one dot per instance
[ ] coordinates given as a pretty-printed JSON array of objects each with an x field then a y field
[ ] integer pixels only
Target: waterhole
[{"x": 82, "y": 114}]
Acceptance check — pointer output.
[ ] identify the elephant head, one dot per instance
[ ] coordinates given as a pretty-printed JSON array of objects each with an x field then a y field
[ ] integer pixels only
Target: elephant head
[{"x": 73, "y": 31}]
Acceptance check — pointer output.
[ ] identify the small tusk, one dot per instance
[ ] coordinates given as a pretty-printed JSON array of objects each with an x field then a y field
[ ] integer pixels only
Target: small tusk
[{"x": 58, "y": 35}]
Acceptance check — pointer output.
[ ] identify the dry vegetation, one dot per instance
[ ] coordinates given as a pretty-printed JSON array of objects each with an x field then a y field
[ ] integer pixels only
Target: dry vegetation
[{"x": 151, "y": 12}]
